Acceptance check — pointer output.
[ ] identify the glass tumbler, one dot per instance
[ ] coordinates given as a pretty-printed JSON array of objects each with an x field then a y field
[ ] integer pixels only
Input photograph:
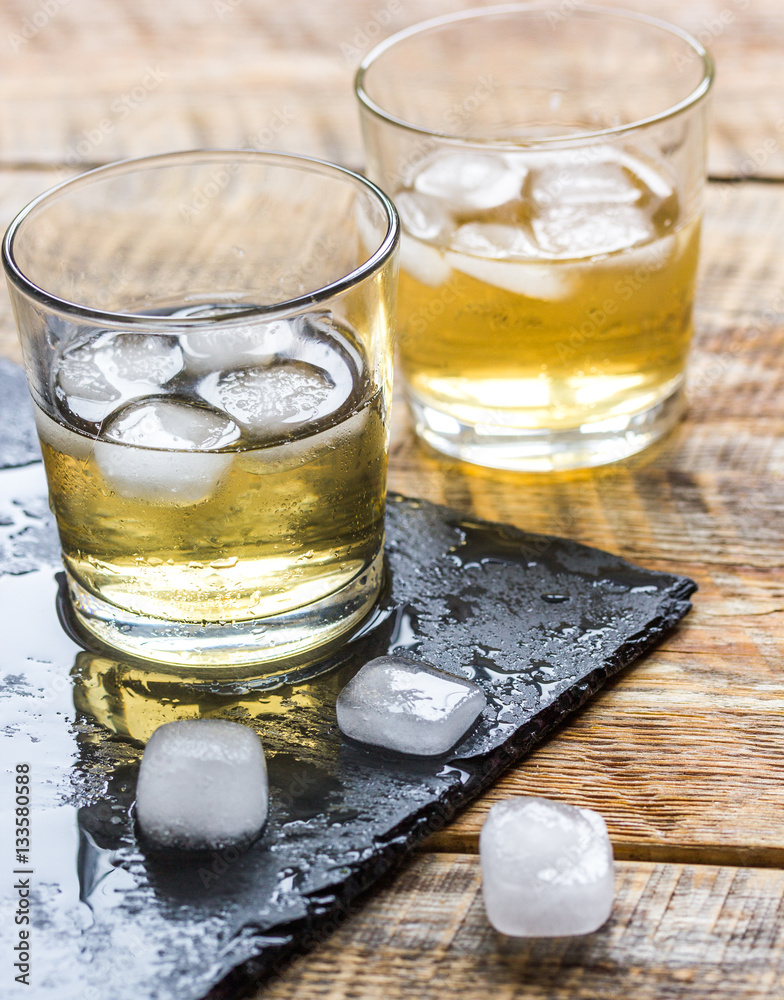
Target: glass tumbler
[
  {"x": 548, "y": 165},
  {"x": 208, "y": 343}
]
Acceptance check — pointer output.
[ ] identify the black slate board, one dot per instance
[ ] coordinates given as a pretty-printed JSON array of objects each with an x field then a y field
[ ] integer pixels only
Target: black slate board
[
  {"x": 538, "y": 621},
  {"x": 18, "y": 440}
]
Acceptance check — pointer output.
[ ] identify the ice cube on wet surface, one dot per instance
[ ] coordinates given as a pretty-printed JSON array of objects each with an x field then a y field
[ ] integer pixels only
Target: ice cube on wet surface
[
  {"x": 408, "y": 705},
  {"x": 547, "y": 868},
  {"x": 96, "y": 377},
  {"x": 165, "y": 450},
  {"x": 202, "y": 784},
  {"x": 465, "y": 181}
]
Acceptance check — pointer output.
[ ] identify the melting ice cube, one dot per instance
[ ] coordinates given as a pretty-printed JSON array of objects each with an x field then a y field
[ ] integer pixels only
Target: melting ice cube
[
  {"x": 535, "y": 281},
  {"x": 495, "y": 240},
  {"x": 506, "y": 257},
  {"x": 291, "y": 454},
  {"x": 221, "y": 348},
  {"x": 468, "y": 182},
  {"x": 62, "y": 438},
  {"x": 202, "y": 784},
  {"x": 422, "y": 217},
  {"x": 162, "y": 450},
  {"x": 314, "y": 375},
  {"x": 424, "y": 263},
  {"x": 95, "y": 377},
  {"x": 273, "y": 401},
  {"x": 573, "y": 231},
  {"x": 603, "y": 178},
  {"x": 547, "y": 868},
  {"x": 408, "y": 705}
]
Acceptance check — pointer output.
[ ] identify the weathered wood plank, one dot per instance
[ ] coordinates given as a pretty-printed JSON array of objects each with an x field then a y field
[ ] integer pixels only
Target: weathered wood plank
[
  {"x": 102, "y": 80},
  {"x": 682, "y": 756},
  {"x": 676, "y": 932}
]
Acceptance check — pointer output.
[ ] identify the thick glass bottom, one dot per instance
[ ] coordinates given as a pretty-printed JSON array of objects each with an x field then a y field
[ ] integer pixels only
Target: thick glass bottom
[
  {"x": 244, "y": 649},
  {"x": 497, "y": 446}
]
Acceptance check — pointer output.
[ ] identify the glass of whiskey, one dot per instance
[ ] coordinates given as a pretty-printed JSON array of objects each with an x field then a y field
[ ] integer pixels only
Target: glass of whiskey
[
  {"x": 548, "y": 164},
  {"x": 208, "y": 344}
]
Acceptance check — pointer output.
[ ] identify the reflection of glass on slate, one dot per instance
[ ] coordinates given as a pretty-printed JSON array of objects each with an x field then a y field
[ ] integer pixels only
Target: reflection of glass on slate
[{"x": 539, "y": 623}]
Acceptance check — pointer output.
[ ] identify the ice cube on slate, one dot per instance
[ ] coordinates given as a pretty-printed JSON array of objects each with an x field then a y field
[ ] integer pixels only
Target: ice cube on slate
[
  {"x": 408, "y": 705},
  {"x": 173, "y": 455},
  {"x": 202, "y": 784},
  {"x": 95, "y": 377},
  {"x": 547, "y": 868}
]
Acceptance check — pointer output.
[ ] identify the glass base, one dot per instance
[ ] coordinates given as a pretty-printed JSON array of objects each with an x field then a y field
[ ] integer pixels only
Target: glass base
[
  {"x": 591, "y": 444},
  {"x": 244, "y": 649}
]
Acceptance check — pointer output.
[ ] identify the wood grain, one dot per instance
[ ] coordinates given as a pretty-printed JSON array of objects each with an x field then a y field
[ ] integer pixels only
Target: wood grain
[
  {"x": 676, "y": 932},
  {"x": 682, "y": 753},
  {"x": 682, "y": 756},
  {"x": 102, "y": 79}
]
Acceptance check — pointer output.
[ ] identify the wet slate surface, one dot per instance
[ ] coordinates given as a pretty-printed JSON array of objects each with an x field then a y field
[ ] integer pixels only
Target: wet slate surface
[
  {"x": 18, "y": 441},
  {"x": 539, "y": 622}
]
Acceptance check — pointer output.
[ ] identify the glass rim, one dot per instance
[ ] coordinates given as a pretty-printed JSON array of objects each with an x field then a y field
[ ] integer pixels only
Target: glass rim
[
  {"x": 540, "y": 142},
  {"x": 323, "y": 293}
]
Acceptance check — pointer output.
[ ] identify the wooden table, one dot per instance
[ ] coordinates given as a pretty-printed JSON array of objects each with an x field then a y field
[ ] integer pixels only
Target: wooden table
[{"x": 682, "y": 753}]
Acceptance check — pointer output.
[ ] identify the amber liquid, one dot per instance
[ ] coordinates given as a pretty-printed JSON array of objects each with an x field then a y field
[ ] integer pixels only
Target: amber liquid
[
  {"x": 521, "y": 336},
  {"x": 284, "y": 526},
  {"x": 160, "y": 522}
]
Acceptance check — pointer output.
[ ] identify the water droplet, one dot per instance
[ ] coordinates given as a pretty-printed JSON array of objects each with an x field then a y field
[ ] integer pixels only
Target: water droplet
[
  {"x": 227, "y": 563},
  {"x": 555, "y": 598}
]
